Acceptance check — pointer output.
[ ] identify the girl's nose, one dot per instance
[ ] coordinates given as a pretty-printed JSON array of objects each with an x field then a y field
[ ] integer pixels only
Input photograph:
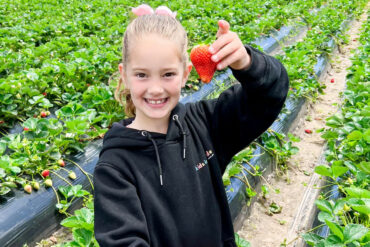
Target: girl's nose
[{"x": 155, "y": 88}]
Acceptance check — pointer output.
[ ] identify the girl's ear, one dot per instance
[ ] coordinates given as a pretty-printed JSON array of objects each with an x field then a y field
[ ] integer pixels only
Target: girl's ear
[
  {"x": 122, "y": 74},
  {"x": 186, "y": 74}
]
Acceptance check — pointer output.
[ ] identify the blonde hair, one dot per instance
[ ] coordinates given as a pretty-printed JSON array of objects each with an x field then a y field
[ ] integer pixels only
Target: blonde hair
[{"x": 162, "y": 25}]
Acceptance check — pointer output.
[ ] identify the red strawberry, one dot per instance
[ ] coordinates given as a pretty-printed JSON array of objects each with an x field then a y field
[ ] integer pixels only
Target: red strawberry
[
  {"x": 43, "y": 114},
  {"x": 28, "y": 188},
  {"x": 45, "y": 173},
  {"x": 308, "y": 131},
  {"x": 1, "y": 122},
  {"x": 26, "y": 129},
  {"x": 332, "y": 80},
  {"x": 201, "y": 59},
  {"x": 44, "y": 93},
  {"x": 61, "y": 163}
]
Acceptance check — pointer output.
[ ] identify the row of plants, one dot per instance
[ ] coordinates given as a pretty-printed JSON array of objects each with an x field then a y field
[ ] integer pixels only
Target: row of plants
[
  {"x": 299, "y": 59},
  {"x": 272, "y": 142},
  {"x": 53, "y": 52},
  {"x": 348, "y": 161}
]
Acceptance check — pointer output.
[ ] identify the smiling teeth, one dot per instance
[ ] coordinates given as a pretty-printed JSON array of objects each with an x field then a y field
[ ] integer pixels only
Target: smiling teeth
[{"x": 156, "y": 101}]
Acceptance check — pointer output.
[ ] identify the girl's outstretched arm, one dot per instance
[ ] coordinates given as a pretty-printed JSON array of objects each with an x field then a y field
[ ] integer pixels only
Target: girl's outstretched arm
[
  {"x": 119, "y": 219},
  {"x": 244, "y": 111}
]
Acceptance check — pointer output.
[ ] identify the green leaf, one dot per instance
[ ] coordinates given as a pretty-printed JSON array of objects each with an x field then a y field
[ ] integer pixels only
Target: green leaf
[
  {"x": 323, "y": 216},
  {"x": 339, "y": 170},
  {"x": 354, "y": 232},
  {"x": 364, "y": 166},
  {"x": 329, "y": 135},
  {"x": 82, "y": 236},
  {"x": 357, "y": 192},
  {"x": 335, "y": 229},
  {"x": 324, "y": 206},
  {"x": 355, "y": 136},
  {"x": 311, "y": 238},
  {"x": 323, "y": 170},
  {"x": 364, "y": 209}
]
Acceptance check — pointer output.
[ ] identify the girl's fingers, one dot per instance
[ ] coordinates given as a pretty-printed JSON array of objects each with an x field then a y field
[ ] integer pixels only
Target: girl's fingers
[
  {"x": 223, "y": 27},
  {"x": 222, "y": 41},
  {"x": 225, "y": 51},
  {"x": 231, "y": 59}
]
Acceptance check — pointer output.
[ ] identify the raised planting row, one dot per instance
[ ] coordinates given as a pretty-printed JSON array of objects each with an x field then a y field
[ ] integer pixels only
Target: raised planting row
[
  {"x": 344, "y": 218},
  {"x": 53, "y": 51},
  {"x": 305, "y": 62}
]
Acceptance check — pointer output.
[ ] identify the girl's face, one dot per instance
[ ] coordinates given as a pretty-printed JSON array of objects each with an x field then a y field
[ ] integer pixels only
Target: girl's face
[{"x": 154, "y": 75}]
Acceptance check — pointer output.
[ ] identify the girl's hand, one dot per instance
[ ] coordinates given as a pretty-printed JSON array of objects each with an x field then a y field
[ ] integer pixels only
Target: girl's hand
[{"x": 228, "y": 50}]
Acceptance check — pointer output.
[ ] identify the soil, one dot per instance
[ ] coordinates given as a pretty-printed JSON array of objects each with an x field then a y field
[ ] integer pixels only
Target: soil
[{"x": 260, "y": 229}]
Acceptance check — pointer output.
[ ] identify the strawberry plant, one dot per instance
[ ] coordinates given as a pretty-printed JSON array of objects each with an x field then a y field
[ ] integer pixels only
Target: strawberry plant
[{"x": 348, "y": 137}]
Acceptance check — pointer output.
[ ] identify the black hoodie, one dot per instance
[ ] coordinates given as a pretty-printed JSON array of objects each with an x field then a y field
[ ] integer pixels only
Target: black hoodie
[{"x": 154, "y": 189}]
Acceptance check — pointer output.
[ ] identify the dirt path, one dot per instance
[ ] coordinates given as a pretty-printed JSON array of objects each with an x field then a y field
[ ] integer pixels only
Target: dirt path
[{"x": 261, "y": 229}]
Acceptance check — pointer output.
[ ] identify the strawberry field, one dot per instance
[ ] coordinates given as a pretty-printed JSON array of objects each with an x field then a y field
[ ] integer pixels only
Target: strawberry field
[{"x": 58, "y": 73}]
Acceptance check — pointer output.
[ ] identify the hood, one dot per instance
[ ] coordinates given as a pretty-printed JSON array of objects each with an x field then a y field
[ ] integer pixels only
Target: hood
[{"x": 119, "y": 136}]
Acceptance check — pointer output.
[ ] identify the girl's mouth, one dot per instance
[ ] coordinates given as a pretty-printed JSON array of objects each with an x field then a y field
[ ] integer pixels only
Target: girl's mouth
[{"x": 156, "y": 102}]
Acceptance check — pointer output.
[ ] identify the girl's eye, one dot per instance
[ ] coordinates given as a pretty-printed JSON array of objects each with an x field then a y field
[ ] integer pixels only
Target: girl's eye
[
  {"x": 140, "y": 75},
  {"x": 169, "y": 74}
]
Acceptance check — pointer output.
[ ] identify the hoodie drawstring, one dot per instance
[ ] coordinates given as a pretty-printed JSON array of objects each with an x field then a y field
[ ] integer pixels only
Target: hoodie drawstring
[
  {"x": 176, "y": 118},
  {"x": 145, "y": 133}
]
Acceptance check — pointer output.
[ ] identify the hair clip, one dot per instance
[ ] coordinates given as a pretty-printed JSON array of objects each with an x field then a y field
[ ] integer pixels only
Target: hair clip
[{"x": 145, "y": 9}]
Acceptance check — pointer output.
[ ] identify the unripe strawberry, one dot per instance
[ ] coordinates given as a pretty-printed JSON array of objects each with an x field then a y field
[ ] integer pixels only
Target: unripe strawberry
[
  {"x": 203, "y": 64},
  {"x": 28, "y": 188},
  {"x": 72, "y": 175},
  {"x": 308, "y": 131},
  {"x": 47, "y": 113},
  {"x": 45, "y": 173},
  {"x": 43, "y": 114},
  {"x": 48, "y": 182},
  {"x": 36, "y": 185},
  {"x": 61, "y": 163},
  {"x": 346, "y": 208},
  {"x": 26, "y": 129}
]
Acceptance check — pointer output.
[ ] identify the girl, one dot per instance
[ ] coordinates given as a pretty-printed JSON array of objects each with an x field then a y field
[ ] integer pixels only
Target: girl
[{"x": 158, "y": 181}]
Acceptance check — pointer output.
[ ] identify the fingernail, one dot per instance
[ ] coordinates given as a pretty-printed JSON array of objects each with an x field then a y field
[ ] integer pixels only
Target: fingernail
[
  {"x": 211, "y": 50},
  {"x": 219, "y": 66},
  {"x": 214, "y": 58}
]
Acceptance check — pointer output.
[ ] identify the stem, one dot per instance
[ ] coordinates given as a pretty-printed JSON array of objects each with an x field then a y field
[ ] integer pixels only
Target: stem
[
  {"x": 83, "y": 171},
  {"x": 56, "y": 194},
  {"x": 65, "y": 180},
  {"x": 313, "y": 229}
]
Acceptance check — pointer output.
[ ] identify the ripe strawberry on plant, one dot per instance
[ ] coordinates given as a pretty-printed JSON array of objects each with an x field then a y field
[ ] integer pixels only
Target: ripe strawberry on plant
[
  {"x": 45, "y": 173},
  {"x": 308, "y": 131},
  {"x": 43, "y": 114},
  {"x": 332, "y": 80},
  {"x": 201, "y": 59},
  {"x": 26, "y": 129}
]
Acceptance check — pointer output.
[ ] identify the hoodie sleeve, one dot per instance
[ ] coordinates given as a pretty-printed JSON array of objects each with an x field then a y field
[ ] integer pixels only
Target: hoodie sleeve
[
  {"x": 244, "y": 111},
  {"x": 119, "y": 219}
]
